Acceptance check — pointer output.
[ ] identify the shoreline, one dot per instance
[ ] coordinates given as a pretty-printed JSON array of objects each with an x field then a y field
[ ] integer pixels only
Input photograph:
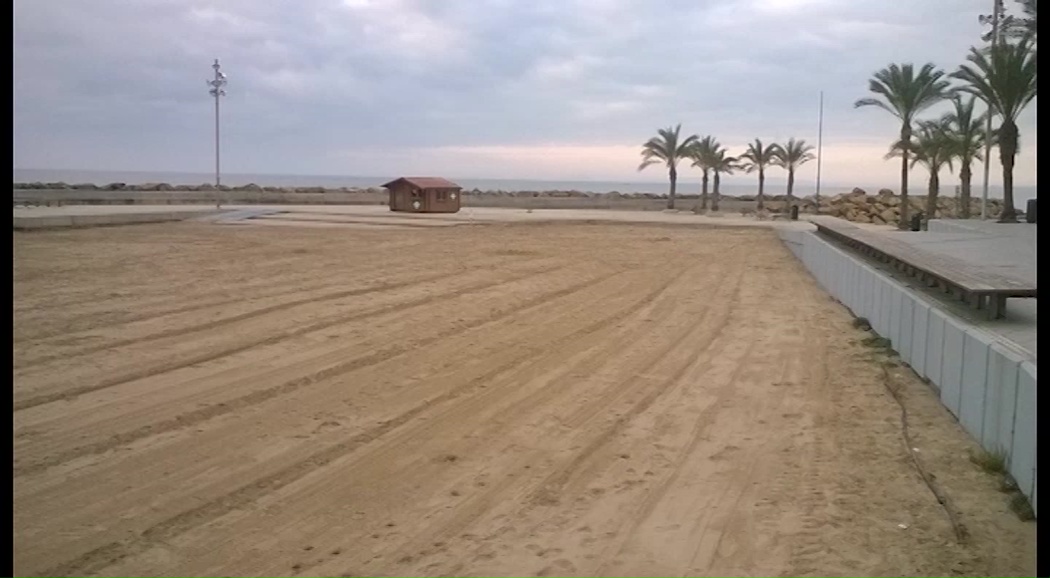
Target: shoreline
[
  {"x": 253, "y": 188},
  {"x": 858, "y": 205}
]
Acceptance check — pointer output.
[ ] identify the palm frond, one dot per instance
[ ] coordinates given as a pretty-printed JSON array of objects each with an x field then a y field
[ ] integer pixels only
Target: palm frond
[
  {"x": 667, "y": 148},
  {"x": 1004, "y": 76}
]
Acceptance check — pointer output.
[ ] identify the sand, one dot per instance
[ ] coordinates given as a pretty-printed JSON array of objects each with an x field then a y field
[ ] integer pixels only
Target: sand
[{"x": 501, "y": 399}]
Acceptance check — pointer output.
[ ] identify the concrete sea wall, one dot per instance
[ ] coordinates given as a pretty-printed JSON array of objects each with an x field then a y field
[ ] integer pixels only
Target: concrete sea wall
[{"x": 989, "y": 387}]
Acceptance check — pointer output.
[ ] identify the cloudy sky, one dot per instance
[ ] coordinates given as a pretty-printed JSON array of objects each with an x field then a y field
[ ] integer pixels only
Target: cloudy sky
[{"x": 543, "y": 89}]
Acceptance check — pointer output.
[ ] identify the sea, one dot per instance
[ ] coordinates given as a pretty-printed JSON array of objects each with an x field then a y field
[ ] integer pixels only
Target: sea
[{"x": 734, "y": 188}]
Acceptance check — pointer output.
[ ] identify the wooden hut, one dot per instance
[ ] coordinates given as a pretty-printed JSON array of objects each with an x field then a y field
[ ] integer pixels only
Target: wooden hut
[{"x": 423, "y": 195}]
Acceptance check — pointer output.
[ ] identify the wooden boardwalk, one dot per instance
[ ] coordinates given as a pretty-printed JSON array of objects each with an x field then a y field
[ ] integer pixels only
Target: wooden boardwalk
[{"x": 979, "y": 287}]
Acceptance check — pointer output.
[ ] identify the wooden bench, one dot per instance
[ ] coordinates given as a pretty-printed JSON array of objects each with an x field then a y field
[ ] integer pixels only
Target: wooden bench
[{"x": 975, "y": 285}]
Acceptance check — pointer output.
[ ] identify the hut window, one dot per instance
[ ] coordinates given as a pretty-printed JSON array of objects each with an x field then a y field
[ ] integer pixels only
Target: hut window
[
  {"x": 415, "y": 193},
  {"x": 442, "y": 195}
]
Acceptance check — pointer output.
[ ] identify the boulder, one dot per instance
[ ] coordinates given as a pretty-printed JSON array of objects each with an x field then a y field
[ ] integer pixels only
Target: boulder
[
  {"x": 145, "y": 187},
  {"x": 253, "y": 187},
  {"x": 858, "y": 192},
  {"x": 886, "y": 193},
  {"x": 164, "y": 187},
  {"x": 888, "y": 215},
  {"x": 115, "y": 187},
  {"x": 86, "y": 187},
  {"x": 205, "y": 187},
  {"x": 59, "y": 186}
]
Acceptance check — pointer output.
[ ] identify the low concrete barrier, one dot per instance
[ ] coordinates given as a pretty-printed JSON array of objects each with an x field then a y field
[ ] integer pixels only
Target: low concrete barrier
[{"x": 987, "y": 385}]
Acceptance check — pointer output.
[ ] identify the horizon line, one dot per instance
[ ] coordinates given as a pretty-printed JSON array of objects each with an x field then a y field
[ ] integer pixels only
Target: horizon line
[{"x": 696, "y": 180}]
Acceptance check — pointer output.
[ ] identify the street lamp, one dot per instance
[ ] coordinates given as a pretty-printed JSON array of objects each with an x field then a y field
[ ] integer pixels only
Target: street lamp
[
  {"x": 217, "y": 85},
  {"x": 995, "y": 19}
]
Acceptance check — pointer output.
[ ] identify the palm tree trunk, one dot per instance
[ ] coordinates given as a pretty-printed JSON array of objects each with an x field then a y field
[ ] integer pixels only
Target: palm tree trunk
[
  {"x": 674, "y": 183},
  {"x": 905, "y": 141},
  {"x": 715, "y": 196},
  {"x": 703, "y": 193},
  {"x": 931, "y": 199},
  {"x": 964, "y": 199},
  {"x": 761, "y": 189},
  {"x": 791, "y": 186},
  {"x": 1007, "y": 153}
]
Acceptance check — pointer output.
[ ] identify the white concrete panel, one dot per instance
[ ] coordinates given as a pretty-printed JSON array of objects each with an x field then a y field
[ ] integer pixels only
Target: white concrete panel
[
  {"x": 976, "y": 348},
  {"x": 873, "y": 287},
  {"x": 864, "y": 283},
  {"x": 1022, "y": 458},
  {"x": 852, "y": 285},
  {"x": 896, "y": 296},
  {"x": 1035, "y": 489},
  {"x": 935, "y": 346},
  {"x": 920, "y": 326},
  {"x": 882, "y": 308},
  {"x": 1000, "y": 400},
  {"x": 907, "y": 329},
  {"x": 951, "y": 366}
]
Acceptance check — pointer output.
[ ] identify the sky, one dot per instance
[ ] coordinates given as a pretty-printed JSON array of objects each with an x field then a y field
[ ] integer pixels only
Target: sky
[{"x": 537, "y": 89}]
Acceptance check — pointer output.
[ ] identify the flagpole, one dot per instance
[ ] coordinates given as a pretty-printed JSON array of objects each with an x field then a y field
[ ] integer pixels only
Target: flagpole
[{"x": 820, "y": 145}]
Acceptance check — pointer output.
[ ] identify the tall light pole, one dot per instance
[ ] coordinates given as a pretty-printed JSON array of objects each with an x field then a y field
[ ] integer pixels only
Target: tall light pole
[
  {"x": 993, "y": 37},
  {"x": 820, "y": 145},
  {"x": 217, "y": 90}
]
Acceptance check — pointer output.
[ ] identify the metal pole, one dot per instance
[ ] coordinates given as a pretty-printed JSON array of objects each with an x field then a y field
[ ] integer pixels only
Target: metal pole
[
  {"x": 820, "y": 145},
  {"x": 996, "y": 7},
  {"x": 217, "y": 84},
  {"x": 218, "y": 181}
]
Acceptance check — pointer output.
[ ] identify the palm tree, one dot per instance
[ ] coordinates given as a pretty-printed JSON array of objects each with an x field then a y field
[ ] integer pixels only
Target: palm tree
[
  {"x": 1004, "y": 77},
  {"x": 757, "y": 158},
  {"x": 933, "y": 147},
  {"x": 905, "y": 93},
  {"x": 967, "y": 130},
  {"x": 666, "y": 149},
  {"x": 789, "y": 157},
  {"x": 705, "y": 155},
  {"x": 1014, "y": 27},
  {"x": 721, "y": 165}
]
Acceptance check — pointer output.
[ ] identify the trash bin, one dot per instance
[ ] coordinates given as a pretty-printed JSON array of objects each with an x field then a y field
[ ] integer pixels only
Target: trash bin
[
  {"x": 1029, "y": 212},
  {"x": 794, "y": 212},
  {"x": 916, "y": 221}
]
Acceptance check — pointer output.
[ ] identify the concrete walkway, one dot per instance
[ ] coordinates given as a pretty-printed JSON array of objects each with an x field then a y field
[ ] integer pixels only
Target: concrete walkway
[
  {"x": 88, "y": 215},
  {"x": 26, "y": 218}
]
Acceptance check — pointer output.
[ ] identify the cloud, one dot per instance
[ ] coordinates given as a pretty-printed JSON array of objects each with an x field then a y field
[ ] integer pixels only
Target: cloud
[{"x": 547, "y": 88}]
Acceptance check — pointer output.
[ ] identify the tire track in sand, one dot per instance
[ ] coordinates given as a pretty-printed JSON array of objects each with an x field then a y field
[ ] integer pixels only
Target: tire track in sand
[
  {"x": 200, "y": 415},
  {"x": 555, "y": 482},
  {"x": 218, "y": 323},
  {"x": 710, "y": 542},
  {"x": 290, "y": 286},
  {"x": 269, "y": 340},
  {"x": 98, "y": 558},
  {"x": 478, "y": 504}
]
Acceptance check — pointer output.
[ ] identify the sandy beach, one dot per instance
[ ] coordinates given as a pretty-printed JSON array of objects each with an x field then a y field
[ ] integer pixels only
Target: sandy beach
[{"x": 498, "y": 399}]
